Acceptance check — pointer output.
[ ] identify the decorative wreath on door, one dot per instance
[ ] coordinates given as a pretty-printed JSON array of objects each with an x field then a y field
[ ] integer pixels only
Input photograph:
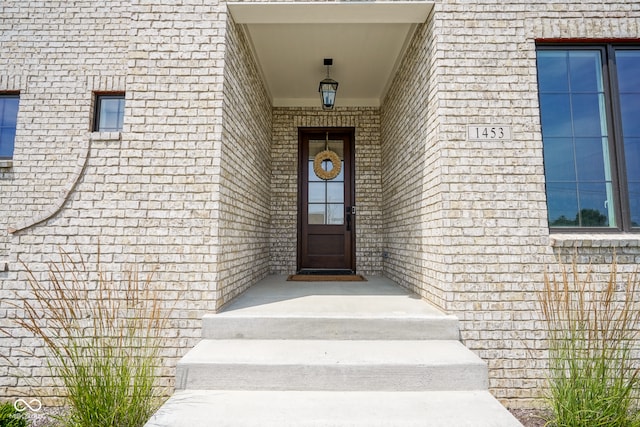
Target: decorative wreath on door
[{"x": 336, "y": 165}]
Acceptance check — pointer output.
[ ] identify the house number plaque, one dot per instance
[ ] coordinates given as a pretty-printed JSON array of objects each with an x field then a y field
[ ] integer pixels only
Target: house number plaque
[{"x": 488, "y": 133}]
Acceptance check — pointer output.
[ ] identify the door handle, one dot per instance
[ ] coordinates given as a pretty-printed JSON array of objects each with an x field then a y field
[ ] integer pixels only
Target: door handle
[{"x": 349, "y": 210}]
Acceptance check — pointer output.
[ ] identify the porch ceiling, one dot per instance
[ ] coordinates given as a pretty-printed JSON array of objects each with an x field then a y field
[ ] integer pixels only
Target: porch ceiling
[{"x": 365, "y": 39}]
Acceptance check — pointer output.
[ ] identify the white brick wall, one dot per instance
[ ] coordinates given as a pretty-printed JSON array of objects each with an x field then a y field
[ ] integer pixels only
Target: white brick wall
[
  {"x": 149, "y": 196},
  {"x": 245, "y": 190},
  {"x": 55, "y": 57},
  {"x": 201, "y": 184},
  {"x": 476, "y": 211}
]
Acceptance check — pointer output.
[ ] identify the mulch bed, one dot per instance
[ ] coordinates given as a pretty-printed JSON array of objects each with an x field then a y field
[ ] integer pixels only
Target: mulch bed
[{"x": 529, "y": 417}]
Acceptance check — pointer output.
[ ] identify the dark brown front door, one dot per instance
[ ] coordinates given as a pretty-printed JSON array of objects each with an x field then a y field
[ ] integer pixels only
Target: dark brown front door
[{"x": 326, "y": 209}]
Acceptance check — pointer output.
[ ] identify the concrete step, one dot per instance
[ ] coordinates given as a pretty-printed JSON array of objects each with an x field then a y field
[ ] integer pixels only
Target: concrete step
[
  {"x": 195, "y": 408},
  {"x": 355, "y": 365},
  {"x": 372, "y": 310},
  {"x": 329, "y": 354},
  {"x": 234, "y": 325}
]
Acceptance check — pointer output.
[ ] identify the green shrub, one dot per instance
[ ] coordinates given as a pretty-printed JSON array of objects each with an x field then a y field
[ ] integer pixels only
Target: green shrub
[
  {"x": 103, "y": 336},
  {"x": 593, "y": 379},
  {"x": 10, "y": 417}
]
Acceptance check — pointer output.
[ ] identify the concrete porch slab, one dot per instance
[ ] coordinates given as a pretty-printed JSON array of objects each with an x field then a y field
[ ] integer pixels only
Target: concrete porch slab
[
  {"x": 378, "y": 296},
  {"x": 374, "y": 310}
]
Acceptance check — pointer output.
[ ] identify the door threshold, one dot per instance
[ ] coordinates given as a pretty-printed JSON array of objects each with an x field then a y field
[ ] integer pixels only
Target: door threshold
[{"x": 327, "y": 271}]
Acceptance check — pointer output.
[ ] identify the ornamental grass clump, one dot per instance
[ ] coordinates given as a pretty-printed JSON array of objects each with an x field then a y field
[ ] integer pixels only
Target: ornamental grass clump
[
  {"x": 10, "y": 416},
  {"x": 593, "y": 376},
  {"x": 103, "y": 336}
]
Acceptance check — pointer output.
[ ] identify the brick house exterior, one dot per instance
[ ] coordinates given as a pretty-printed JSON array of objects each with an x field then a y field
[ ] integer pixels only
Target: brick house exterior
[{"x": 201, "y": 184}]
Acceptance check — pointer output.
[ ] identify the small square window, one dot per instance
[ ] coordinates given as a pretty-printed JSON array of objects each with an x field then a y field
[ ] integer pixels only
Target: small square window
[
  {"x": 8, "y": 120},
  {"x": 109, "y": 113}
]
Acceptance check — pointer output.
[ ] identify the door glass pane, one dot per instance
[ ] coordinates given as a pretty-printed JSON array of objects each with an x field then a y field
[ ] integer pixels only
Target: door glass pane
[
  {"x": 326, "y": 197},
  {"x": 312, "y": 175},
  {"x": 317, "y": 192},
  {"x": 335, "y": 214},
  {"x": 575, "y": 138},
  {"x": 317, "y": 213},
  {"x": 628, "y": 69},
  {"x": 335, "y": 192}
]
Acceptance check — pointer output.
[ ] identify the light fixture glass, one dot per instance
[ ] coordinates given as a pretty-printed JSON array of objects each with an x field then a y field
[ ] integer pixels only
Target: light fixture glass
[{"x": 328, "y": 88}]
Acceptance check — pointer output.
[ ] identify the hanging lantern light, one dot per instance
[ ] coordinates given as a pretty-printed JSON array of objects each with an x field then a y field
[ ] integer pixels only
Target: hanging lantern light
[{"x": 328, "y": 88}]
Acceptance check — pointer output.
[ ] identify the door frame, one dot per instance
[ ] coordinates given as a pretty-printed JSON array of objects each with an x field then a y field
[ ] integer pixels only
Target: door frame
[{"x": 349, "y": 169}]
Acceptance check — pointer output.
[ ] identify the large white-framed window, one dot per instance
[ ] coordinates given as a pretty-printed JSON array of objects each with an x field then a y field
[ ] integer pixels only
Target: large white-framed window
[{"x": 590, "y": 114}]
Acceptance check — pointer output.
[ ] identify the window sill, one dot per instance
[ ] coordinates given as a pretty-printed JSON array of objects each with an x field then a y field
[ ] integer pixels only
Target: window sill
[
  {"x": 5, "y": 164},
  {"x": 106, "y": 136},
  {"x": 594, "y": 240}
]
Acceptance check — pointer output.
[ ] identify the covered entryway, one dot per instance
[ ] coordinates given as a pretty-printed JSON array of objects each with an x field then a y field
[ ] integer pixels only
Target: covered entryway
[
  {"x": 273, "y": 61},
  {"x": 385, "y": 58},
  {"x": 366, "y": 41},
  {"x": 310, "y": 229},
  {"x": 326, "y": 210}
]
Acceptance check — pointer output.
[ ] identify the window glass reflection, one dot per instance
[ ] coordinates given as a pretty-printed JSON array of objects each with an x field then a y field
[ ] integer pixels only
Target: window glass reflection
[
  {"x": 627, "y": 65},
  {"x": 8, "y": 120},
  {"x": 585, "y": 71},
  {"x": 559, "y": 159},
  {"x": 632, "y": 154},
  {"x": 634, "y": 203},
  {"x": 110, "y": 113},
  {"x": 575, "y": 137},
  {"x": 628, "y": 69},
  {"x": 556, "y": 115},
  {"x": 588, "y": 115},
  {"x": 630, "y": 109},
  {"x": 589, "y": 159},
  {"x": 555, "y": 77},
  {"x": 593, "y": 206},
  {"x": 562, "y": 203}
]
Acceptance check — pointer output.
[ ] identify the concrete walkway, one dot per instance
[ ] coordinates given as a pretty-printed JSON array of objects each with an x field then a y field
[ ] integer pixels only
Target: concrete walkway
[{"x": 330, "y": 354}]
